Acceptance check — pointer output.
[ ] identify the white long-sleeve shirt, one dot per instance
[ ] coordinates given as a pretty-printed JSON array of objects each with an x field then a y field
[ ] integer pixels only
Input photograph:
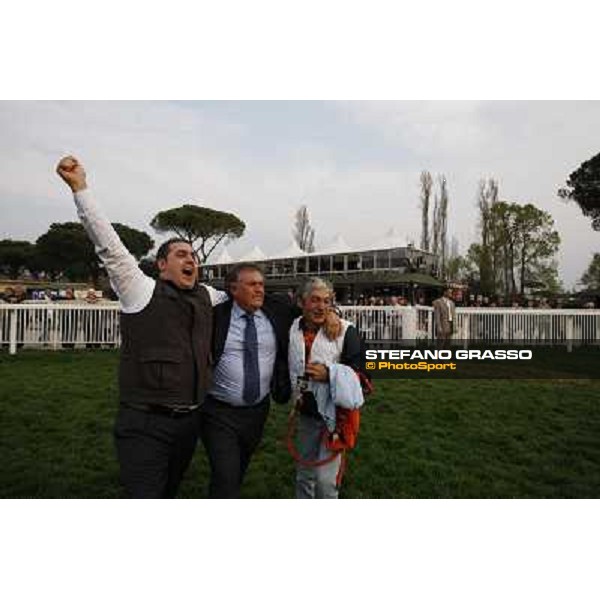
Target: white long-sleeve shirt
[{"x": 133, "y": 287}]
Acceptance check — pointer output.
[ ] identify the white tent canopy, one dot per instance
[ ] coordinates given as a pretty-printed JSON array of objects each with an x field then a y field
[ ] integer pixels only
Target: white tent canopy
[
  {"x": 338, "y": 244},
  {"x": 292, "y": 251},
  {"x": 224, "y": 259},
  {"x": 255, "y": 254}
]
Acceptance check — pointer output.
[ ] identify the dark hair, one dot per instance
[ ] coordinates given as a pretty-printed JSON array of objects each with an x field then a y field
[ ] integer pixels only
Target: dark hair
[
  {"x": 165, "y": 247},
  {"x": 233, "y": 274}
]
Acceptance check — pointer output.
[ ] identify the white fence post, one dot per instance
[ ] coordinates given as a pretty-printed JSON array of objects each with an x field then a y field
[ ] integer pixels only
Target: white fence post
[
  {"x": 569, "y": 333},
  {"x": 409, "y": 323},
  {"x": 55, "y": 320},
  {"x": 12, "y": 348}
]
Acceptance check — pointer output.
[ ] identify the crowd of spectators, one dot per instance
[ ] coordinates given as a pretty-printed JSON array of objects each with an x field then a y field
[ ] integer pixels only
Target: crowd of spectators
[
  {"x": 19, "y": 293},
  {"x": 474, "y": 301},
  {"x": 69, "y": 326},
  {"x": 379, "y": 301}
]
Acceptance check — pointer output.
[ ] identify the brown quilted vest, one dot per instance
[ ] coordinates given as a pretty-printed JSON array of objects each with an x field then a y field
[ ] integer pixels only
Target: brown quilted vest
[{"x": 165, "y": 352}]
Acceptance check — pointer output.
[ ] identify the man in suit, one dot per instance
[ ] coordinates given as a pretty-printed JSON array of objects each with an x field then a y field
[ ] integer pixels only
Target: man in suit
[
  {"x": 444, "y": 312},
  {"x": 250, "y": 341}
]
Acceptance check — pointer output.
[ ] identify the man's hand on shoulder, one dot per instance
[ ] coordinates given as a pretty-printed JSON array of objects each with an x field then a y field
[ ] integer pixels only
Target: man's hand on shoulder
[
  {"x": 72, "y": 173},
  {"x": 333, "y": 325}
]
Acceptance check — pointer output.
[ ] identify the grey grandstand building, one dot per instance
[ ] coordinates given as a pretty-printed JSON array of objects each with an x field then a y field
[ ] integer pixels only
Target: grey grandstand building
[{"x": 386, "y": 268}]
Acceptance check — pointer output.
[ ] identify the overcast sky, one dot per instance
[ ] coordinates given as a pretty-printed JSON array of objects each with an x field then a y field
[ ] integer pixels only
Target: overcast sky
[{"x": 355, "y": 164}]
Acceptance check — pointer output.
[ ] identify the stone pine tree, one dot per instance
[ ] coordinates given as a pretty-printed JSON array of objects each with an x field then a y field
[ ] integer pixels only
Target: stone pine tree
[
  {"x": 139, "y": 243},
  {"x": 66, "y": 248},
  {"x": 204, "y": 228},
  {"x": 15, "y": 255},
  {"x": 304, "y": 233}
]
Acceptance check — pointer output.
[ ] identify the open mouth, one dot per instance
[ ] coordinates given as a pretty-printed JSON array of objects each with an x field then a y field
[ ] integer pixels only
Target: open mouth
[{"x": 188, "y": 271}]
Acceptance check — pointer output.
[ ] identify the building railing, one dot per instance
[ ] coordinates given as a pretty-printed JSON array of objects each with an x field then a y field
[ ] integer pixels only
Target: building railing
[{"x": 74, "y": 325}]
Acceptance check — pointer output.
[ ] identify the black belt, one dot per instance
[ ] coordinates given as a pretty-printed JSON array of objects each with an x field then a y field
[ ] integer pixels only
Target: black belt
[
  {"x": 218, "y": 402},
  {"x": 162, "y": 409}
]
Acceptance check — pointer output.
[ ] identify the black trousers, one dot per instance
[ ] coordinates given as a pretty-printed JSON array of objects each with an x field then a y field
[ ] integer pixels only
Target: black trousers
[
  {"x": 230, "y": 435},
  {"x": 154, "y": 451}
]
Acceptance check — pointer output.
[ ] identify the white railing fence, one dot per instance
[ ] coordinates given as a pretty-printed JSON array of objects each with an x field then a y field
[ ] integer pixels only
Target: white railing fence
[
  {"x": 560, "y": 326},
  {"x": 382, "y": 323},
  {"x": 56, "y": 326}
]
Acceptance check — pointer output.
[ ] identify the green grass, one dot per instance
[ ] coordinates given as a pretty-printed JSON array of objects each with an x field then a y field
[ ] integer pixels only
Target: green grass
[{"x": 419, "y": 438}]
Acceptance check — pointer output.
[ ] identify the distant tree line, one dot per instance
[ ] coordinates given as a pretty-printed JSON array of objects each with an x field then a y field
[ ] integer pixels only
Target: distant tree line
[
  {"x": 518, "y": 243},
  {"x": 66, "y": 251},
  {"x": 516, "y": 248}
]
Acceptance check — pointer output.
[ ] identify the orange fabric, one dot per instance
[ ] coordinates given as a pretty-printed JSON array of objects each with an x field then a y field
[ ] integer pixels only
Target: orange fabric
[
  {"x": 347, "y": 424},
  {"x": 309, "y": 338}
]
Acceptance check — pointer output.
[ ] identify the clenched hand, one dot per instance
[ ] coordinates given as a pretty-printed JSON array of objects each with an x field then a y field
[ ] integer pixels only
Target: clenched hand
[{"x": 72, "y": 173}]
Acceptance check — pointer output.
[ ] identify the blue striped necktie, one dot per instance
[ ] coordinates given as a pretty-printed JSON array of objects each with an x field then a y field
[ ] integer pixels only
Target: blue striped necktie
[{"x": 251, "y": 373}]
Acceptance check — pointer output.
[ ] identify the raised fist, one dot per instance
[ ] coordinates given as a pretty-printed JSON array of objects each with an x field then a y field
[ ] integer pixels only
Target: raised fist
[{"x": 72, "y": 173}]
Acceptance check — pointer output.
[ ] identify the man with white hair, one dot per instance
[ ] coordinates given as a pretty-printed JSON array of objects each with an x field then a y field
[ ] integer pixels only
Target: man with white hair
[{"x": 313, "y": 356}]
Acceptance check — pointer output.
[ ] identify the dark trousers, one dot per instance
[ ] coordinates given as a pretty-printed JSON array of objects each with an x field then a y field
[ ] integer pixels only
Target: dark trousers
[
  {"x": 230, "y": 435},
  {"x": 154, "y": 450}
]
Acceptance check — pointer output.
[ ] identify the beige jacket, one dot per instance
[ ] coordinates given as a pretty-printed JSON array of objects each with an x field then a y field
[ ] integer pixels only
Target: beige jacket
[{"x": 443, "y": 315}]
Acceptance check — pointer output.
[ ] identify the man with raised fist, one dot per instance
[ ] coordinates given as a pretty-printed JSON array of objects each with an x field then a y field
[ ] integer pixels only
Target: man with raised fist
[{"x": 164, "y": 373}]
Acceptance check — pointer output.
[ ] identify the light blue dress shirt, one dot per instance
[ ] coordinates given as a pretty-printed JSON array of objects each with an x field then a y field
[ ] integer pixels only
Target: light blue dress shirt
[{"x": 228, "y": 377}]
